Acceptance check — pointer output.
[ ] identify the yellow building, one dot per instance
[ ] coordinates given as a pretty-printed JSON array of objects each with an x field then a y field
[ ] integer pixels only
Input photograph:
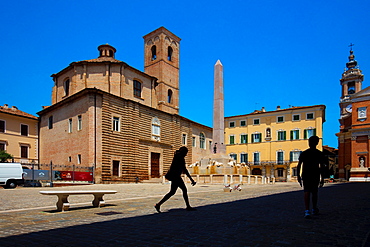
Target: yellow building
[
  {"x": 19, "y": 134},
  {"x": 269, "y": 143}
]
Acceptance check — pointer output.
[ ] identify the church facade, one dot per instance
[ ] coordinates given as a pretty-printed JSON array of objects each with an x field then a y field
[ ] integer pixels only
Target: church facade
[
  {"x": 354, "y": 135},
  {"x": 121, "y": 121}
]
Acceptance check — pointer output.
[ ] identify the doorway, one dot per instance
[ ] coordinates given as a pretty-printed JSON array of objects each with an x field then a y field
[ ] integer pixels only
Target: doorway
[{"x": 154, "y": 165}]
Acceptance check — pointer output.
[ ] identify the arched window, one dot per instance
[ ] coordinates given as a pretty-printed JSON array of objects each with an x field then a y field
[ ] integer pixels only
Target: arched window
[
  {"x": 156, "y": 129},
  {"x": 154, "y": 52},
  {"x": 202, "y": 141},
  {"x": 137, "y": 88},
  {"x": 169, "y": 54},
  {"x": 169, "y": 96},
  {"x": 66, "y": 85},
  {"x": 351, "y": 87}
]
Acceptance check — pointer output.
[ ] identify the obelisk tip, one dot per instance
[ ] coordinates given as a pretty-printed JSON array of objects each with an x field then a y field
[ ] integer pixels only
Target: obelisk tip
[{"x": 218, "y": 62}]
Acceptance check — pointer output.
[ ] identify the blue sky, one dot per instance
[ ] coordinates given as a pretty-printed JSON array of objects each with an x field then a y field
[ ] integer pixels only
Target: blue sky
[{"x": 287, "y": 53}]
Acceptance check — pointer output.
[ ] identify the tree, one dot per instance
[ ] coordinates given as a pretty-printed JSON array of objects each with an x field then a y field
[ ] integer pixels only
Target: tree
[{"x": 4, "y": 156}]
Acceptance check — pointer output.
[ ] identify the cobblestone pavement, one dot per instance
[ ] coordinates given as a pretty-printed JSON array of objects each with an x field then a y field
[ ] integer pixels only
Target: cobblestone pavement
[{"x": 259, "y": 215}]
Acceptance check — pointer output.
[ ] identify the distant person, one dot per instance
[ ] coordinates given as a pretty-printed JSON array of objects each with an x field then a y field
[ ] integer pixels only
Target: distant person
[
  {"x": 174, "y": 175},
  {"x": 312, "y": 174}
]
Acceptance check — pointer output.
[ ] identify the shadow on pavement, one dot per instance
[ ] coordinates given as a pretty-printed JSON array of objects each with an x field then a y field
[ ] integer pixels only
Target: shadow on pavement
[{"x": 274, "y": 220}]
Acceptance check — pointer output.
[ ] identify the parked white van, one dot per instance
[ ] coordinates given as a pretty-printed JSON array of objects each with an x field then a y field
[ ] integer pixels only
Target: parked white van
[{"x": 11, "y": 175}]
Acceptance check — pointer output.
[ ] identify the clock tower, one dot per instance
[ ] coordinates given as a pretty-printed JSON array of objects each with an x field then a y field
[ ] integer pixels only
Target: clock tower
[{"x": 351, "y": 83}]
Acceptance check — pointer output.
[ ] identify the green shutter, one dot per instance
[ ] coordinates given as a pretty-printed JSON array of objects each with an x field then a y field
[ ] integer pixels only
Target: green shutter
[
  {"x": 297, "y": 134},
  {"x": 284, "y": 135},
  {"x": 291, "y": 134},
  {"x": 314, "y": 132},
  {"x": 291, "y": 156},
  {"x": 305, "y": 134},
  {"x": 252, "y": 139},
  {"x": 260, "y": 134}
]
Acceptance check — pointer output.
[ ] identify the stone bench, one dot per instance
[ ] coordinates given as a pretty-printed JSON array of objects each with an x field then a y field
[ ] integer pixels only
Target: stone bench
[{"x": 63, "y": 203}]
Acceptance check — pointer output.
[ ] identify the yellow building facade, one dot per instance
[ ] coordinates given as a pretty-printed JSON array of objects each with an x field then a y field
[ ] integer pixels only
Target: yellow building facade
[
  {"x": 269, "y": 143},
  {"x": 19, "y": 134}
]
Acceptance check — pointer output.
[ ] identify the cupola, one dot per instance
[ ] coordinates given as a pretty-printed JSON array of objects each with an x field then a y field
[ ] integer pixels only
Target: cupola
[{"x": 106, "y": 51}]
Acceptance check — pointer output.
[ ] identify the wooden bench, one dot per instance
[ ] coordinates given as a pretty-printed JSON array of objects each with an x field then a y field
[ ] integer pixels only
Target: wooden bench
[{"x": 63, "y": 203}]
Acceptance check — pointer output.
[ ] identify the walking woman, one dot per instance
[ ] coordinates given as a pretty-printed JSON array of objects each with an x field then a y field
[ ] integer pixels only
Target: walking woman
[{"x": 174, "y": 175}]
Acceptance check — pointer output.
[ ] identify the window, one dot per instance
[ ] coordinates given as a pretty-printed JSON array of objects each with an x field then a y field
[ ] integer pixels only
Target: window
[
  {"x": 231, "y": 124},
  {"x": 361, "y": 113},
  {"x": 79, "y": 122},
  {"x": 183, "y": 139},
  {"x": 69, "y": 159},
  {"x": 70, "y": 125},
  {"x": 280, "y": 172},
  {"x": 243, "y": 138},
  {"x": 116, "y": 123},
  {"x": 296, "y": 117},
  {"x": 66, "y": 87},
  {"x": 294, "y": 155},
  {"x": 256, "y": 158},
  {"x": 156, "y": 129},
  {"x": 295, "y": 171},
  {"x": 50, "y": 122},
  {"x": 257, "y": 137},
  {"x": 137, "y": 89},
  {"x": 154, "y": 52},
  {"x": 2, "y": 146},
  {"x": 24, "y": 152},
  {"x": 268, "y": 133},
  {"x": 169, "y": 53},
  {"x": 78, "y": 158},
  {"x": 233, "y": 156},
  {"x": 242, "y": 123},
  {"x": 256, "y": 121},
  {"x": 243, "y": 158},
  {"x": 280, "y": 157},
  {"x": 294, "y": 135},
  {"x": 308, "y": 133},
  {"x": 115, "y": 168},
  {"x": 309, "y": 116},
  {"x": 232, "y": 139},
  {"x": 280, "y": 119},
  {"x": 210, "y": 145},
  {"x": 169, "y": 96},
  {"x": 24, "y": 130},
  {"x": 194, "y": 141},
  {"x": 202, "y": 141},
  {"x": 281, "y": 135},
  {"x": 351, "y": 87},
  {"x": 2, "y": 126}
]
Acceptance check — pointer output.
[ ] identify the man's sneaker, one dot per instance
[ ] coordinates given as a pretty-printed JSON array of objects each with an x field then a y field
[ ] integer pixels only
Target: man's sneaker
[
  {"x": 307, "y": 214},
  {"x": 315, "y": 211}
]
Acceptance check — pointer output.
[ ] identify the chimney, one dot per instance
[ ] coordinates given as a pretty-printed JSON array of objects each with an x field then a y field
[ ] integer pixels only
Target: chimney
[
  {"x": 263, "y": 109},
  {"x": 5, "y": 106},
  {"x": 278, "y": 108},
  {"x": 14, "y": 108}
]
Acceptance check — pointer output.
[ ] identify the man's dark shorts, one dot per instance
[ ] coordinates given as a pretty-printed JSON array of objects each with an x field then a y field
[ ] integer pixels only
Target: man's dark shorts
[{"x": 310, "y": 186}]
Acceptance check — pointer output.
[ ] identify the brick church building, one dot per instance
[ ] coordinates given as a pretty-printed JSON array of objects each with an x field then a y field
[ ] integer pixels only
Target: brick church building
[
  {"x": 123, "y": 122},
  {"x": 354, "y": 135}
]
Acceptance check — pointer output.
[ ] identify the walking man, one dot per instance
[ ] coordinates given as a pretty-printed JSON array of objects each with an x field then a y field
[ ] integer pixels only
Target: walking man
[{"x": 311, "y": 167}]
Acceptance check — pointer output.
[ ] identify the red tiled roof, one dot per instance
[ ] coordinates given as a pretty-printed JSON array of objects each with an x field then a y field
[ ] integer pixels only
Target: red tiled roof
[{"x": 14, "y": 111}]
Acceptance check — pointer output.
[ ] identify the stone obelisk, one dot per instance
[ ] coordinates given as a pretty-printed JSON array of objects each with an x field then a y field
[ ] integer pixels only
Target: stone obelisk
[{"x": 219, "y": 148}]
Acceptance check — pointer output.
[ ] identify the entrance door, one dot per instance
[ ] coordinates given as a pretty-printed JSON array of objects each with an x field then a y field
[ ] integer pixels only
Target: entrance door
[{"x": 154, "y": 164}]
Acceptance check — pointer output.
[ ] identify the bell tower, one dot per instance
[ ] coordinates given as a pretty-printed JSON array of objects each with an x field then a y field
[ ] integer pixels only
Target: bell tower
[
  {"x": 351, "y": 83},
  {"x": 162, "y": 60}
]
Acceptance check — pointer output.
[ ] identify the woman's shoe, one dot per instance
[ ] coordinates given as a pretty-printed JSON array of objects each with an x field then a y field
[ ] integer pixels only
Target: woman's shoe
[{"x": 158, "y": 208}]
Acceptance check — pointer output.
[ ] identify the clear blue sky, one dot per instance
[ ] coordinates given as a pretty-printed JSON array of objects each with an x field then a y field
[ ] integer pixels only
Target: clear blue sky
[{"x": 287, "y": 53}]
